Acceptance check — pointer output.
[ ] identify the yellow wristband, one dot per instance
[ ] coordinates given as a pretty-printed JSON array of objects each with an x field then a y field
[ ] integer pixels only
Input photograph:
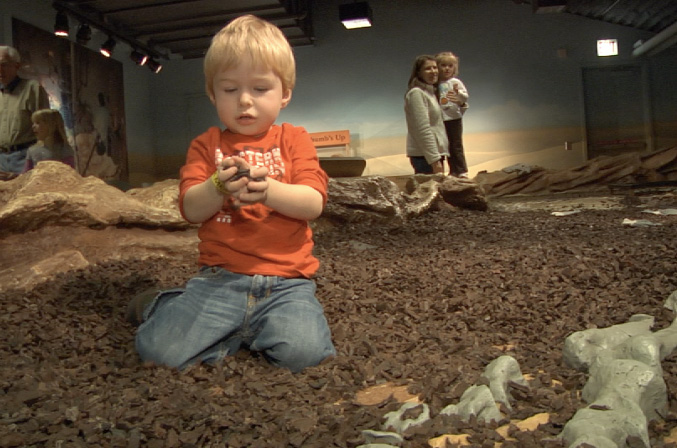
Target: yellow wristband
[{"x": 220, "y": 186}]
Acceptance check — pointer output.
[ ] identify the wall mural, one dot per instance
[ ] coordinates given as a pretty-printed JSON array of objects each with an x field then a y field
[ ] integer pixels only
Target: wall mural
[{"x": 87, "y": 88}]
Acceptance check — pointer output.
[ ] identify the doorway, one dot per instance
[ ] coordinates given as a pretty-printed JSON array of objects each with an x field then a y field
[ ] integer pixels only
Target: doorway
[{"x": 617, "y": 117}]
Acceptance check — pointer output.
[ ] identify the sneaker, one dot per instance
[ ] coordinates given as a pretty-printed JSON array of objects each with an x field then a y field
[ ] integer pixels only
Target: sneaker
[
  {"x": 463, "y": 176},
  {"x": 138, "y": 304}
]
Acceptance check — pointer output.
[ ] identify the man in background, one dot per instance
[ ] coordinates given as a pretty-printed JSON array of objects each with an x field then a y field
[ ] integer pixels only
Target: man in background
[{"x": 19, "y": 98}]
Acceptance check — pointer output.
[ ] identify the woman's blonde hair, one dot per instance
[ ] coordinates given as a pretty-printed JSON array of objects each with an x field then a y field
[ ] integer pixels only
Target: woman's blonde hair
[
  {"x": 254, "y": 38},
  {"x": 54, "y": 121}
]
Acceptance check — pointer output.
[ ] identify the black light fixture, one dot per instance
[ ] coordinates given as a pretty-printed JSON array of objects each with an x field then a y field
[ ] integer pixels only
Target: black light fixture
[
  {"x": 61, "y": 24},
  {"x": 108, "y": 47},
  {"x": 355, "y": 15},
  {"x": 84, "y": 34},
  {"x": 154, "y": 66},
  {"x": 548, "y": 6},
  {"x": 138, "y": 57},
  {"x": 141, "y": 52}
]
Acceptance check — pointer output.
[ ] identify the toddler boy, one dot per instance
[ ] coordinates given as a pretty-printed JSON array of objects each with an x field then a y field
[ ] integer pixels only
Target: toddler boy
[{"x": 253, "y": 187}]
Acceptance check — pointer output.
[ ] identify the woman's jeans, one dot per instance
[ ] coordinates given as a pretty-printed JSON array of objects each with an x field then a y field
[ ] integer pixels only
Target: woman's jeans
[
  {"x": 420, "y": 165},
  {"x": 219, "y": 311}
]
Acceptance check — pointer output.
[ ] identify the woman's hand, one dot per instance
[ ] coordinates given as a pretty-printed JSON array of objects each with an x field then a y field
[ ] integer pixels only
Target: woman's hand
[
  {"x": 438, "y": 167},
  {"x": 454, "y": 97}
]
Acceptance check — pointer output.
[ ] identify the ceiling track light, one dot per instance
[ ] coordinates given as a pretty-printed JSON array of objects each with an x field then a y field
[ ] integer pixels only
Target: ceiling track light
[
  {"x": 84, "y": 34},
  {"x": 61, "y": 27},
  {"x": 355, "y": 15},
  {"x": 108, "y": 47},
  {"x": 141, "y": 52},
  {"x": 138, "y": 57},
  {"x": 154, "y": 66}
]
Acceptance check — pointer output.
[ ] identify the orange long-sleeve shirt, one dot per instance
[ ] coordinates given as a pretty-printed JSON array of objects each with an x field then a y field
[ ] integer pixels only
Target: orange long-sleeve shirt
[{"x": 255, "y": 239}]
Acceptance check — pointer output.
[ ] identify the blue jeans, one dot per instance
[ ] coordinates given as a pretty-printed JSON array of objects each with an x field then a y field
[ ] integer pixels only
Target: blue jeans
[
  {"x": 420, "y": 165},
  {"x": 220, "y": 311},
  {"x": 457, "y": 163},
  {"x": 13, "y": 162}
]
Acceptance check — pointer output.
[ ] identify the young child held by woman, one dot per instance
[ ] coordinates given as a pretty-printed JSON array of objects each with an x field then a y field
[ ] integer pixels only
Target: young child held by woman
[
  {"x": 453, "y": 100},
  {"x": 253, "y": 187}
]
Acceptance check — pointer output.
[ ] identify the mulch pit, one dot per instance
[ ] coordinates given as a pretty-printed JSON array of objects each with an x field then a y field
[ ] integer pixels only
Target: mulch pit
[{"x": 422, "y": 307}]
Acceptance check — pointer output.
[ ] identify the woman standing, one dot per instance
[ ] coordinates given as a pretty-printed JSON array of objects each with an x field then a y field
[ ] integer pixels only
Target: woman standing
[{"x": 427, "y": 143}]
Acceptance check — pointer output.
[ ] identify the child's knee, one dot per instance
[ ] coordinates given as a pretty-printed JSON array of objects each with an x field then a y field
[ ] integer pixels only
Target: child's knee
[
  {"x": 166, "y": 353},
  {"x": 297, "y": 357}
]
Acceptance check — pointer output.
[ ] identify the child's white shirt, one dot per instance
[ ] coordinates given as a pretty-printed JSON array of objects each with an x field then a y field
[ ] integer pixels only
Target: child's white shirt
[{"x": 450, "y": 110}]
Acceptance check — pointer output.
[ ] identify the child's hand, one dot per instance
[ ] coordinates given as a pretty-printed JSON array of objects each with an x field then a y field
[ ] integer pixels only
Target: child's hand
[
  {"x": 246, "y": 185},
  {"x": 256, "y": 187}
]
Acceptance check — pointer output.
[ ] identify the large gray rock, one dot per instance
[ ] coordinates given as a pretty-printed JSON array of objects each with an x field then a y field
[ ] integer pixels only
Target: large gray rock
[
  {"x": 626, "y": 389},
  {"x": 476, "y": 401},
  {"x": 399, "y": 420},
  {"x": 462, "y": 193},
  {"x": 376, "y": 199},
  {"x": 628, "y": 384},
  {"x": 500, "y": 374},
  {"x": 52, "y": 220},
  {"x": 582, "y": 348},
  {"x": 364, "y": 199},
  {"x": 606, "y": 428},
  {"x": 54, "y": 194},
  {"x": 597, "y": 174}
]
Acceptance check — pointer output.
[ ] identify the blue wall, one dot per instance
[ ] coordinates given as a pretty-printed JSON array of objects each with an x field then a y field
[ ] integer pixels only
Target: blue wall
[{"x": 523, "y": 71}]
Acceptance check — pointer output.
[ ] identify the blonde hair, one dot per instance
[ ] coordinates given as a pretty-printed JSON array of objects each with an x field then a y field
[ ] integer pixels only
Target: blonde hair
[
  {"x": 54, "y": 121},
  {"x": 447, "y": 56},
  {"x": 254, "y": 38}
]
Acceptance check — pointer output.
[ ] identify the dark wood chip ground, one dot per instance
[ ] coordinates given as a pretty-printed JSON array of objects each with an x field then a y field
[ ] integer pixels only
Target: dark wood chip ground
[{"x": 427, "y": 305}]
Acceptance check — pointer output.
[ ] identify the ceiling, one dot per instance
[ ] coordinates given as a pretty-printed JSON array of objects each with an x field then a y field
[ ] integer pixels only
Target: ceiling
[
  {"x": 647, "y": 15},
  {"x": 183, "y": 28}
]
